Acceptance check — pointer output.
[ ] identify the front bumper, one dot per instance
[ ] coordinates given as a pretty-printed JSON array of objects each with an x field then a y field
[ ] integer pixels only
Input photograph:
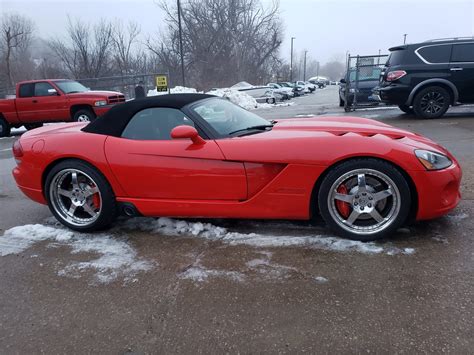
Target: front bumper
[{"x": 438, "y": 191}]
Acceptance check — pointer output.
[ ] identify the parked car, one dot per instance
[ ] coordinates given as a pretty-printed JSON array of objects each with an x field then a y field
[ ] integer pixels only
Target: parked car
[
  {"x": 57, "y": 100},
  {"x": 285, "y": 92},
  {"x": 297, "y": 90},
  {"x": 318, "y": 82},
  {"x": 366, "y": 82},
  {"x": 308, "y": 87},
  {"x": 426, "y": 78},
  {"x": 215, "y": 159}
]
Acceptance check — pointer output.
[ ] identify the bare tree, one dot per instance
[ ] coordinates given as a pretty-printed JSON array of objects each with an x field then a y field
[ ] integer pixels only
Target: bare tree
[
  {"x": 224, "y": 41},
  {"x": 16, "y": 34},
  {"x": 86, "y": 51},
  {"x": 124, "y": 40}
]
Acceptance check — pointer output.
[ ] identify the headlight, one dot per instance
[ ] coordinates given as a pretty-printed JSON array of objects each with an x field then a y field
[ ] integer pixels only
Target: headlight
[
  {"x": 100, "y": 103},
  {"x": 432, "y": 160},
  {"x": 353, "y": 90}
]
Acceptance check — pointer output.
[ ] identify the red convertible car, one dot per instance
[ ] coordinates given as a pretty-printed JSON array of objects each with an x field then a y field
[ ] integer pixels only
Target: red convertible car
[{"x": 195, "y": 155}]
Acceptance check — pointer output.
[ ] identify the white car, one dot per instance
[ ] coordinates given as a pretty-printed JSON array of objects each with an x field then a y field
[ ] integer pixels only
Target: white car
[
  {"x": 308, "y": 87},
  {"x": 285, "y": 92}
]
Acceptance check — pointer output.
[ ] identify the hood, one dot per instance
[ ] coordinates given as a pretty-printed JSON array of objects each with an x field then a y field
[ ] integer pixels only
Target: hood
[
  {"x": 364, "y": 127},
  {"x": 96, "y": 93}
]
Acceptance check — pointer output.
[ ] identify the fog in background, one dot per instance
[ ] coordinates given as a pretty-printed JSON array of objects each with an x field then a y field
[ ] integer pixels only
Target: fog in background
[{"x": 326, "y": 28}]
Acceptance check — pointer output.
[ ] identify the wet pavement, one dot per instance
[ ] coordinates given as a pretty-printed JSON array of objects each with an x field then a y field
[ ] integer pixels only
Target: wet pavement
[{"x": 165, "y": 286}]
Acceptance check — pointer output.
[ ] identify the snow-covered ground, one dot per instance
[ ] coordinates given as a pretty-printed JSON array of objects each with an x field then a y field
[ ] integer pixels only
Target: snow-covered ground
[{"x": 114, "y": 257}]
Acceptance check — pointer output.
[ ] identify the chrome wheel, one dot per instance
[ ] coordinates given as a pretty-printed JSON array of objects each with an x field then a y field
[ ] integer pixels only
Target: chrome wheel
[
  {"x": 364, "y": 201},
  {"x": 83, "y": 118},
  {"x": 75, "y": 197},
  {"x": 432, "y": 102}
]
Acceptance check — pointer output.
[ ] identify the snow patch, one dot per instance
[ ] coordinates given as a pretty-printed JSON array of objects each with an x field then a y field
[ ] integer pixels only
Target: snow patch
[
  {"x": 172, "y": 227},
  {"x": 175, "y": 90},
  {"x": 201, "y": 274},
  {"x": 116, "y": 257},
  {"x": 320, "y": 279}
]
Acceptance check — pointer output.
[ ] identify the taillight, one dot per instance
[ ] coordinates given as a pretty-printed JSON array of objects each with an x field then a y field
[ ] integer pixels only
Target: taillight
[
  {"x": 17, "y": 149},
  {"x": 395, "y": 75}
]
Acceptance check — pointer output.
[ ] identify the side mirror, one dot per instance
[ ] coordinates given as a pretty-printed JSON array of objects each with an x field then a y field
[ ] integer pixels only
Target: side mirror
[
  {"x": 52, "y": 92},
  {"x": 187, "y": 132},
  {"x": 342, "y": 81}
]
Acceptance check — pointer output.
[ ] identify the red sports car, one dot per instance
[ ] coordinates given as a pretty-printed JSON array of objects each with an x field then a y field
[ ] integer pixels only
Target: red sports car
[{"x": 194, "y": 155}]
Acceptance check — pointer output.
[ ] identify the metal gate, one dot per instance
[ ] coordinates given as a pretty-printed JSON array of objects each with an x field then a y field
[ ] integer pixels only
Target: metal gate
[{"x": 362, "y": 75}]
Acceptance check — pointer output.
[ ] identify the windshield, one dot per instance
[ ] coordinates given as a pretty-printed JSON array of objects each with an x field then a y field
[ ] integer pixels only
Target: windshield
[
  {"x": 69, "y": 87},
  {"x": 225, "y": 117},
  {"x": 395, "y": 58}
]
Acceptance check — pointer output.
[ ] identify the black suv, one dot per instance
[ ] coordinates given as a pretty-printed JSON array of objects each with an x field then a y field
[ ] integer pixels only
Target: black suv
[{"x": 426, "y": 78}]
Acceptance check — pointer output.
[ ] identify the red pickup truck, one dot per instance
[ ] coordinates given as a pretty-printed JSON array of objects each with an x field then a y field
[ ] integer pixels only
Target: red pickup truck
[{"x": 57, "y": 100}]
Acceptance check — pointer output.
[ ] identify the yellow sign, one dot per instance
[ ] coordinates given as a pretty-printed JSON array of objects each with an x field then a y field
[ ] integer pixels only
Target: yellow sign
[{"x": 161, "y": 82}]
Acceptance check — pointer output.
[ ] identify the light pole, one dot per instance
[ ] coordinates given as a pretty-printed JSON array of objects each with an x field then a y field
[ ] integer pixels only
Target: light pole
[
  {"x": 317, "y": 70},
  {"x": 181, "y": 42},
  {"x": 291, "y": 60},
  {"x": 304, "y": 70},
  {"x": 405, "y": 38}
]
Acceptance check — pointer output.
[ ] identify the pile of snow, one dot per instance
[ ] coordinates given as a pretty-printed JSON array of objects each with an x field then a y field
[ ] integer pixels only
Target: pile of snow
[
  {"x": 237, "y": 97},
  {"x": 175, "y": 90}
]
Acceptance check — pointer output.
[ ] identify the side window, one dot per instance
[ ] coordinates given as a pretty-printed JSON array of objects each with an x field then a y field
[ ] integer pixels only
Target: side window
[
  {"x": 41, "y": 89},
  {"x": 26, "y": 90},
  {"x": 155, "y": 124},
  {"x": 436, "y": 54},
  {"x": 463, "y": 53}
]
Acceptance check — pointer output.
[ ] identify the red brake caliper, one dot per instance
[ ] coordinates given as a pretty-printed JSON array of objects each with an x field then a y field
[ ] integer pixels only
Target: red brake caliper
[
  {"x": 343, "y": 207},
  {"x": 95, "y": 199}
]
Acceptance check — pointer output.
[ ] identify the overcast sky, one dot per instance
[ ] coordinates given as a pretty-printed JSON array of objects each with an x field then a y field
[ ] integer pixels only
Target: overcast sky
[{"x": 326, "y": 28}]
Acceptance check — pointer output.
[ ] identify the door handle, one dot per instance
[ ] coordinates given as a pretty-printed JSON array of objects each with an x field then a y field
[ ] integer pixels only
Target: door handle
[
  {"x": 456, "y": 69},
  {"x": 35, "y": 101}
]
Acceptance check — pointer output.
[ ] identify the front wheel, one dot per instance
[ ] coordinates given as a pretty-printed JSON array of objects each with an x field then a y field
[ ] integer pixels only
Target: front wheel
[
  {"x": 364, "y": 199},
  {"x": 84, "y": 115},
  {"x": 79, "y": 196},
  {"x": 432, "y": 102}
]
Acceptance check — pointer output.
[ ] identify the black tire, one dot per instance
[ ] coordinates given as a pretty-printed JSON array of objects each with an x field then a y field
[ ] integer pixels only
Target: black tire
[
  {"x": 84, "y": 115},
  {"x": 395, "y": 209},
  {"x": 341, "y": 102},
  {"x": 30, "y": 126},
  {"x": 431, "y": 102},
  {"x": 5, "y": 128},
  {"x": 108, "y": 205},
  {"x": 271, "y": 101},
  {"x": 406, "y": 109}
]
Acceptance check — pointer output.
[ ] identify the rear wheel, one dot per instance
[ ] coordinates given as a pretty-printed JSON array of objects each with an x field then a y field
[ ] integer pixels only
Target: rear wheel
[
  {"x": 431, "y": 102},
  {"x": 84, "y": 115},
  {"x": 405, "y": 108},
  {"x": 4, "y": 128},
  {"x": 364, "y": 199},
  {"x": 79, "y": 196}
]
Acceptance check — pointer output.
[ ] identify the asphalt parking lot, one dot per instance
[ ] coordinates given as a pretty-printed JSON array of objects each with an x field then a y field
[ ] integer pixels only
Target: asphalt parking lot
[{"x": 166, "y": 286}]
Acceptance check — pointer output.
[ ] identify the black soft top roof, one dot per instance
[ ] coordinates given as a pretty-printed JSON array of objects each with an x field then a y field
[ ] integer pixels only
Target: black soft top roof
[{"x": 114, "y": 121}]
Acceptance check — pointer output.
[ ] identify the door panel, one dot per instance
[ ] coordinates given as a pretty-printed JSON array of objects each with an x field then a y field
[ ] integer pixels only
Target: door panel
[
  {"x": 175, "y": 169},
  {"x": 43, "y": 106}
]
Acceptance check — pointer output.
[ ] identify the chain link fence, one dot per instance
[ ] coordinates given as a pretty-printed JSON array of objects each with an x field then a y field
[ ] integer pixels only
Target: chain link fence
[
  {"x": 362, "y": 75},
  {"x": 125, "y": 83}
]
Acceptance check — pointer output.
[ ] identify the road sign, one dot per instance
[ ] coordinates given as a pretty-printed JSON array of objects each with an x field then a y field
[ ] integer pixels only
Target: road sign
[{"x": 161, "y": 82}]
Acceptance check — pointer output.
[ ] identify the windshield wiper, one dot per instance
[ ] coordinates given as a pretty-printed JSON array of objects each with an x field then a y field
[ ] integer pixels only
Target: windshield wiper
[
  {"x": 73, "y": 92},
  {"x": 262, "y": 127}
]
